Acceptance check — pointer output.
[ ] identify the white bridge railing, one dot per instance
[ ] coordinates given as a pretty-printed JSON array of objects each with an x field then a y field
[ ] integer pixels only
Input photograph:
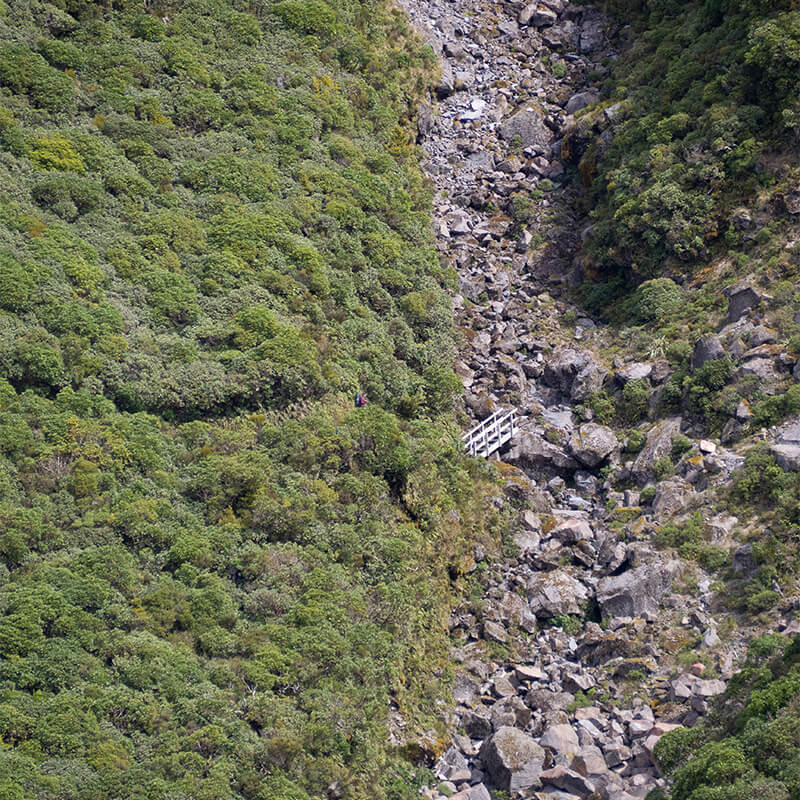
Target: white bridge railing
[{"x": 491, "y": 434}]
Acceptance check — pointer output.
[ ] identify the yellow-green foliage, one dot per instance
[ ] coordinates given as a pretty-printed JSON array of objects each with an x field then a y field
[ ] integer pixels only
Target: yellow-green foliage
[{"x": 55, "y": 152}]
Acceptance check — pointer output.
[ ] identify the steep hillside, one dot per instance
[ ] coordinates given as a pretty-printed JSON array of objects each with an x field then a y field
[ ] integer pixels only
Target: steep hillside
[{"x": 218, "y": 577}]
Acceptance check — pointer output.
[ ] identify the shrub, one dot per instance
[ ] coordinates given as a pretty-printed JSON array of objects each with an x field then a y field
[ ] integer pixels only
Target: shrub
[
  {"x": 656, "y": 299},
  {"x": 61, "y": 54},
  {"x": 635, "y": 441},
  {"x": 25, "y": 72},
  {"x": 55, "y": 153},
  {"x": 635, "y": 398},
  {"x": 16, "y": 283},
  {"x": 68, "y": 195},
  {"x": 310, "y": 17}
]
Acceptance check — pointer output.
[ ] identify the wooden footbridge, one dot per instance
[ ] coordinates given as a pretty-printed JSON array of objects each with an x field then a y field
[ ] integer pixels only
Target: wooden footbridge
[{"x": 491, "y": 434}]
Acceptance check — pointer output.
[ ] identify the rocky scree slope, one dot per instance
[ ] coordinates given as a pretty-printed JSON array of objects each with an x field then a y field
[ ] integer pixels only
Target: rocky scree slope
[{"x": 549, "y": 702}]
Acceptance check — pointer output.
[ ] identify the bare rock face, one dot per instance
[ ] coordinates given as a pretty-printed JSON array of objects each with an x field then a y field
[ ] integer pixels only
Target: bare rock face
[
  {"x": 637, "y": 592},
  {"x": 528, "y": 124},
  {"x": 513, "y": 760},
  {"x": 575, "y": 373},
  {"x": 591, "y": 444},
  {"x": 554, "y": 593}
]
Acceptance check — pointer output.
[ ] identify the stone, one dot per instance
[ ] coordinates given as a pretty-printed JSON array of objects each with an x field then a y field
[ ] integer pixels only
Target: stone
[
  {"x": 688, "y": 685},
  {"x": 592, "y": 35},
  {"x": 575, "y": 373},
  {"x": 670, "y": 498},
  {"x": 477, "y": 726},
  {"x": 591, "y": 444},
  {"x": 554, "y": 593},
  {"x": 762, "y": 335},
  {"x": 560, "y": 739},
  {"x": 589, "y": 762},
  {"x": 528, "y": 125},
  {"x": 571, "y": 531},
  {"x": 744, "y": 561},
  {"x": 637, "y": 371},
  {"x": 452, "y": 766},
  {"x": 637, "y": 592},
  {"x": 546, "y": 700},
  {"x": 658, "y": 445},
  {"x": 742, "y": 297},
  {"x": 707, "y": 348},
  {"x": 568, "y": 780},
  {"x": 446, "y": 85},
  {"x": 787, "y": 456},
  {"x": 534, "y": 452},
  {"x": 581, "y": 100},
  {"x": 495, "y": 632},
  {"x": 477, "y": 792},
  {"x": 616, "y": 754},
  {"x": 513, "y": 760}
]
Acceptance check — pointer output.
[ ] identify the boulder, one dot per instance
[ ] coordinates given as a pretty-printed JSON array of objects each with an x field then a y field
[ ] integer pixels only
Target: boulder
[
  {"x": 591, "y": 444},
  {"x": 581, "y": 100},
  {"x": 446, "y": 85},
  {"x": 477, "y": 792},
  {"x": 707, "y": 348},
  {"x": 560, "y": 739},
  {"x": 572, "y": 531},
  {"x": 589, "y": 762},
  {"x": 547, "y": 700},
  {"x": 592, "y": 35},
  {"x": 535, "y": 453},
  {"x": 741, "y": 298},
  {"x": 551, "y": 594},
  {"x": 787, "y": 456},
  {"x": 637, "y": 592},
  {"x": 568, "y": 781},
  {"x": 513, "y": 760},
  {"x": 638, "y": 371},
  {"x": 574, "y": 372},
  {"x": 670, "y": 498},
  {"x": 658, "y": 445},
  {"x": 528, "y": 124}
]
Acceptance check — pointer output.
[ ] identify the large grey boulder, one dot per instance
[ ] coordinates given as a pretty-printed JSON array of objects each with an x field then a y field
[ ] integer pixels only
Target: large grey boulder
[
  {"x": 581, "y": 100},
  {"x": 446, "y": 85},
  {"x": 591, "y": 444},
  {"x": 568, "y": 780},
  {"x": 574, "y": 372},
  {"x": 658, "y": 445},
  {"x": 551, "y": 594},
  {"x": 637, "y": 592},
  {"x": 513, "y": 760},
  {"x": 528, "y": 124},
  {"x": 787, "y": 450},
  {"x": 560, "y": 739},
  {"x": 535, "y": 453},
  {"x": 707, "y": 348},
  {"x": 741, "y": 298}
]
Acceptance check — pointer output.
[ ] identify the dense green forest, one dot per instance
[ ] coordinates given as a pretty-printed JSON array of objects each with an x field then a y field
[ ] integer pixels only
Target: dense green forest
[{"x": 217, "y": 575}]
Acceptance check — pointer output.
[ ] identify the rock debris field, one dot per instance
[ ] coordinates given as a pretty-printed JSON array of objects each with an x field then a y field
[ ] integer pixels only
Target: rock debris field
[{"x": 578, "y": 714}]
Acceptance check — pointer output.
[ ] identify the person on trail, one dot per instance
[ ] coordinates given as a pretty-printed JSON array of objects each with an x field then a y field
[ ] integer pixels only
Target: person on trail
[{"x": 361, "y": 400}]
